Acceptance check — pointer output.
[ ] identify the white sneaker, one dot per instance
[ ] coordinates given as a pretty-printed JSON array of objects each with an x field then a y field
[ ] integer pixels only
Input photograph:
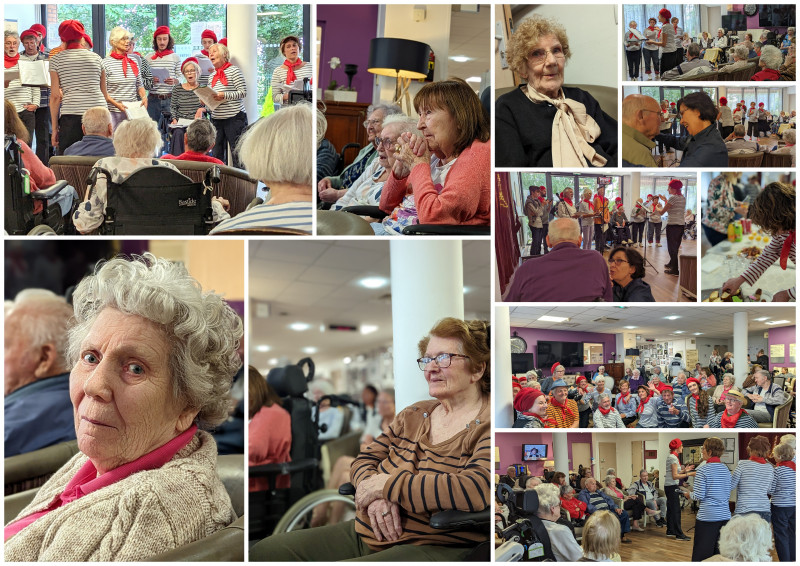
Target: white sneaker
[{"x": 658, "y": 245}]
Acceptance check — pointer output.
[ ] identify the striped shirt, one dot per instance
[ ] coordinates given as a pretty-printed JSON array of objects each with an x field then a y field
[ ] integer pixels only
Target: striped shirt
[
  {"x": 120, "y": 87},
  {"x": 648, "y": 418},
  {"x": 79, "y": 72},
  {"x": 697, "y": 420},
  {"x": 752, "y": 482},
  {"x": 563, "y": 420},
  {"x": 426, "y": 478},
  {"x": 184, "y": 103},
  {"x": 744, "y": 421},
  {"x": 770, "y": 255},
  {"x": 784, "y": 486},
  {"x": 677, "y": 209},
  {"x": 20, "y": 95},
  {"x": 668, "y": 479},
  {"x": 295, "y": 215},
  {"x": 172, "y": 63},
  {"x": 712, "y": 488},
  {"x": 44, "y": 97},
  {"x": 234, "y": 92},
  {"x": 144, "y": 70},
  {"x": 627, "y": 409},
  {"x": 667, "y": 419},
  {"x": 611, "y": 420},
  {"x": 279, "y": 86}
]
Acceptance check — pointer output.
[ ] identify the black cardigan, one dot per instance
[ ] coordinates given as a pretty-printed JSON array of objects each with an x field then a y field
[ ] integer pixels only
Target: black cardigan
[{"x": 523, "y": 129}]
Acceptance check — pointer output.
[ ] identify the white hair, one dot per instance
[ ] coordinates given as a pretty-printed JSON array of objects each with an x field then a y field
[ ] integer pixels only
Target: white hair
[
  {"x": 387, "y": 109},
  {"x": 746, "y": 538},
  {"x": 222, "y": 49},
  {"x": 610, "y": 480},
  {"x": 96, "y": 120},
  {"x": 403, "y": 123},
  {"x": 118, "y": 33},
  {"x": 789, "y": 439},
  {"x": 202, "y": 330},
  {"x": 790, "y": 135},
  {"x": 278, "y": 147},
  {"x": 741, "y": 52},
  {"x": 322, "y": 126},
  {"x": 564, "y": 229},
  {"x": 137, "y": 138},
  {"x": 549, "y": 497},
  {"x": 45, "y": 318},
  {"x": 536, "y": 481},
  {"x": 721, "y": 30},
  {"x": 771, "y": 56},
  {"x": 603, "y": 395}
]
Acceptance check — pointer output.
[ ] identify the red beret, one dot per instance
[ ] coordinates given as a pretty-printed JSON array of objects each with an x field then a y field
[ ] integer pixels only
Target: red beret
[
  {"x": 73, "y": 30},
  {"x": 675, "y": 185},
  {"x": 161, "y": 30},
  {"x": 39, "y": 28},
  {"x": 693, "y": 380},
  {"x": 207, "y": 33},
  {"x": 525, "y": 399},
  {"x": 580, "y": 378},
  {"x": 224, "y": 41},
  {"x": 649, "y": 196},
  {"x": 28, "y": 33},
  {"x": 665, "y": 13},
  {"x": 664, "y": 387},
  {"x": 190, "y": 60},
  {"x": 672, "y": 104},
  {"x": 674, "y": 443},
  {"x": 723, "y": 101},
  {"x": 555, "y": 365},
  {"x": 618, "y": 199},
  {"x": 760, "y": 104}
]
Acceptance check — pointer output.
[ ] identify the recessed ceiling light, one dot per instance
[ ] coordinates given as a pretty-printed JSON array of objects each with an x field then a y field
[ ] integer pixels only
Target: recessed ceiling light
[
  {"x": 473, "y": 79},
  {"x": 777, "y": 322},
  {"x": 263, "y": 348},
  {"x": 763, "y": 318},
  {"x": 360, "y": 358},
  {"x": 680, "y": 332},
  {"x": 368, "y": 328},
  {"x": 630, "y": 327},
  {"x": 460, "y": 58},
  {"x": 548, "y": 318},
  {"x": 672, "y": 317},
  {"x": 347, "y": 360},
  {"x": 698, "y": 333},
  {"x": 299, "y": 326},
  {"x": 273, "y": 361},
  {"x": 309, "y": 350},
  {"x": 373, "y": 282}
]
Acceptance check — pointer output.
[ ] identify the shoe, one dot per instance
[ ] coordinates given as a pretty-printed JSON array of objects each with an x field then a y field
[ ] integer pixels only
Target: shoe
[
  {"x": 630, "y": 242},
  {"x": 670, "y": 535},
  {"x": 640, "y": 529},
  {"x": 682, "y": 537},
  {"x": 668, "y": 271},
  {"x": 625, "y": 541},
  {"x": 666, "y": 265},
  {"x": 658, "y": 245}
]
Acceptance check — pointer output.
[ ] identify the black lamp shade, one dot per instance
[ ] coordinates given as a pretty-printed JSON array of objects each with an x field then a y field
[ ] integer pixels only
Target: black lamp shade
[{"x": 395, "y": 57}]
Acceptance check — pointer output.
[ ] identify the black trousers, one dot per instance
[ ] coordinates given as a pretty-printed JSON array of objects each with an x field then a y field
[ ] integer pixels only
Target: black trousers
[
  {"x": 29, "y": 119},
  {"x": 678, "y": 56},
  {"x": 650, "y": 56},
  {"x": 783, "y": 527},
  {"x": 673, "y": 495},
  {"x": 634, "y": 507},
  {"x": 725, "y": 131},
  {"x": 638, "y": 232},
  {"x": 674, "y": 238},
  {"x": 43, "y": 131},
  {"x": 706, "y": 539},
  {"x": 229, "y": 131},
  {"x": 634, "y": 62},
  {"x": 668, "y": 61},
  {"x": 752, "y": 129},
  {"x": 538, "y": 237},
  {"x": 654, "y": 229},
  {"x": 583, "y": 418},
  {"x": 69, "y": 131},
  {"x": 599, "y": 238},
  {"x": 713, "y": 236},
  {"x": 626, "y": 421},
  {"x": 545, "y": 228}
]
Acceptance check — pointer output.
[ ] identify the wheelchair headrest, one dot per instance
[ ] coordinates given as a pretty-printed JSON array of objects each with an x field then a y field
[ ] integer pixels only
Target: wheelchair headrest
[
  {"x": 505, "y": 493},
  {"x": 290, "y": 381},
  {"x": 530, "y": 501}
]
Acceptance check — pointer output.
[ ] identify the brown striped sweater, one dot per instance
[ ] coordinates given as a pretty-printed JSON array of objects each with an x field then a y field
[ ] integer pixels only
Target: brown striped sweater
[{"x": 425, "y": 478}]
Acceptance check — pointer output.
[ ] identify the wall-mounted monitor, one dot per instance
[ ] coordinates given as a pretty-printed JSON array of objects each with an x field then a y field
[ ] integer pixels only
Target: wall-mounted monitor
[
  {"x": 568, "y": 354},
  {"x": 534, "y": 452}
]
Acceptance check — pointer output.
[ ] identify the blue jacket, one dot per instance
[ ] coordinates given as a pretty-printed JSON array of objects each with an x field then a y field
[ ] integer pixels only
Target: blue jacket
[
  {"x": 584, "y": 496},
  {"x": 92, "y": 145},
  {"x": 637, "y": 291},
  {"x": 38, "y": 414}
]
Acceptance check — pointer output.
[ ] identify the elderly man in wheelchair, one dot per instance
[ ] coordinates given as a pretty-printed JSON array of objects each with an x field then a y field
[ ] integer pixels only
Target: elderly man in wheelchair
[{"x": 422, "y": 488}]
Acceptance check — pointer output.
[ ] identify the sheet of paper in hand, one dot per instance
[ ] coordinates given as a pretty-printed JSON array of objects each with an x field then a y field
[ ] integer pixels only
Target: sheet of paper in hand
[
  {"x": 206, "y": 95},
  {"x": 34, "y": 73},
  {"x": 136, "y": 110}
]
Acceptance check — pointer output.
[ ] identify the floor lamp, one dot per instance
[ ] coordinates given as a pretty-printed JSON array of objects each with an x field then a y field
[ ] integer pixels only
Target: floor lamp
[{"x": 403, "y": 59}]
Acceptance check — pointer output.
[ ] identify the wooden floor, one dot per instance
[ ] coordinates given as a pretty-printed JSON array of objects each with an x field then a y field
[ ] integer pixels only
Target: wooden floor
[
  {"x": 653, "y": 545},
  {"x": 665, "y": 288}
]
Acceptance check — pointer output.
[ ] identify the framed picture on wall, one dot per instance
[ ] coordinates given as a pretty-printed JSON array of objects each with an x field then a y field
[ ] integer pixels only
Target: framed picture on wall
[
  {"x": 727, "y": 457},
  {"x": 730, "y": 444}
]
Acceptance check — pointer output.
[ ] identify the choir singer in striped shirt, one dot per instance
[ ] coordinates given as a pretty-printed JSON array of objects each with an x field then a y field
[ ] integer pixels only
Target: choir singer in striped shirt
[
  {"x": 229, "y": 118},
  {"x": 712, "y": 488},
  {"x": 434, "y": 457}
]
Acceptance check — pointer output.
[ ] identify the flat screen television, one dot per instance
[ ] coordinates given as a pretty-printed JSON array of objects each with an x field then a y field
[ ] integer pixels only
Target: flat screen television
[
  {"x": 735, "y": 22},
  {"x": 533, "y": 452},
  {"x": 569, "y": 354},
  {"x": 631, "y": 351},
  {"x": 521, "y": 363},
  {"x": 776, "y": 15}
]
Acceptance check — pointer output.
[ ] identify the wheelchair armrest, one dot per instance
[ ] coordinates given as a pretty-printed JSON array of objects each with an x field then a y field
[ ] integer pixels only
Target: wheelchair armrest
[
  {"x": 347, "y": 489},
  {"x": 454, "y": 519},
  {"x": 49, "y": 192},
  {"x": 373, "y": 211},
  {"x": 284, "y": 468},
  {"x": 447, "y": 230}
]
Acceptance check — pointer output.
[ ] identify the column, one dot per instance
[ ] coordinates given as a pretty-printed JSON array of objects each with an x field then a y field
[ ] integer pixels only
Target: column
[
  {"x": 560, "y": 452},
  {"x": 663, "y": 451},
  {"x": 501, "y": 374},
  {"x": 427, "y": 285},
  {"x": 739, "y": 347},
  {"x": 632, "y": 191},
  {"x": 242, "y": 42}
]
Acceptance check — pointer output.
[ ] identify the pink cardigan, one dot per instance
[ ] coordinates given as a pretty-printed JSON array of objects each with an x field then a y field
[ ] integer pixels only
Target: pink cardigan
[
  {"x": 464, "y": 199},
  {"x": 41, "y": 174}
]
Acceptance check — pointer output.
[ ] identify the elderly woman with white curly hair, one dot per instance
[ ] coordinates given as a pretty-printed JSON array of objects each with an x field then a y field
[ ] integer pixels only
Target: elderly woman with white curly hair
[
  {"x": 153, "y": 359},
  {"x": 745, "y": 538},
  {"x": 123, "y": 77},
  {"x": 562, "y": 542},
  {"x": 770, "y": 61},
  {"x": 230, "y": 90},
  {"x": 136, "y": 142},
  {"x": 740, "y": 55},
  {"x": 789, "y": 139}
]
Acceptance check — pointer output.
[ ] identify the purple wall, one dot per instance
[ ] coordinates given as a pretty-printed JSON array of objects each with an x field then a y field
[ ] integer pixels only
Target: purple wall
[
  {"x": 510, "y": 445},
  {"x": 346, "y": 33},
  {"x": 752, "y": 21},
  {"x": 785, "y": 335},
  {"x": 533, "y": 335}
]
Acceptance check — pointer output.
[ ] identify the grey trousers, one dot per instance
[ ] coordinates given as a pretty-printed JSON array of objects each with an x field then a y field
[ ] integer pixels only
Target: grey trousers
[{"x": 662, "y": 506}]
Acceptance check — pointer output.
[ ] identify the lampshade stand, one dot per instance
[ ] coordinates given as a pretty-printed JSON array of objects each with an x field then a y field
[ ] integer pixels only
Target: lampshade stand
[{"x": 401, "y": 95}]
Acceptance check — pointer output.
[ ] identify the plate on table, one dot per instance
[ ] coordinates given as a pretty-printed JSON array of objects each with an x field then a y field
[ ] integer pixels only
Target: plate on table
[{"x": 705, "y": 296}]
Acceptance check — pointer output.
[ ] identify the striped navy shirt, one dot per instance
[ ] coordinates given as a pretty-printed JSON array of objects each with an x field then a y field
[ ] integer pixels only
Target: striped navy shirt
[
  {"x": 667, "y": 419},
  {"x": 171, "y": 62},
  {"x": 79, "y": 72},
  {"x": 753, "y": 481},
  {"x": 712, "y": 488},
  {"x": 784, "y": 486},
  {"x": 184, "y": 103},
  {"x": 295, "y": 215},
  {"x": 44, "y": 98},
  {"x": 744, "y": 421},
  {"x": 120, "y": 87},
  {"x": 771, "y": 254},
  {"x": 234, "y": 92},
  {"x": 697, "y": 420},
  {"x": 278, "y": 82},
  {"x": 20, "y": 95}
]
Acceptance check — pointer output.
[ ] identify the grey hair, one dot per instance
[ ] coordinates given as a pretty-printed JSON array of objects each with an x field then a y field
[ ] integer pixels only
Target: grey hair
[
  {"x": 404, "y": 123},
  {"x": 783, "y": 452},
  {"x": 548, "y": 496},
  {"x": 96, "y": 120},
  {"x": 200, "y": 135},
  {"x": 46, "y": 317},
  {"x": 610, "y": 480},
  {"x": 388, "y": 109},
  {"x": 322, "y": 126},
  {"x": 790, "y": 30},
  {"x": 118, "y": 33},
  {"x": 790, "y": 135},
  {"x": 203, "y": 331},
  {"x": 278, "y": 147},
  {"x": 741, "y": 52},
  {"x": 789, "y": 439},
  {"x": 693, "y": 50},
  {"x": 636, "y": 372},
  {"x": 611, "y": 472},
  {"x": 601, "y": 368},
  {"x": 771, "y": 56},
  {"x": 643, "y": 471},
  {"x": 563, "y": 229},
  {"x": 721, "y": 30},
  {"x": 739, "y": 130},
  {"x": 9, "y": 33},
  {"x": 137, "y": 138},
  {"x": 746, "y": 538},
  {"x": 223, "y": 50},
  {"x": 566, "y": 488},
  {"x": 763, "y": 372},
  {"x": 534, "y": 479},
  {"x": 603, "y": 395}
]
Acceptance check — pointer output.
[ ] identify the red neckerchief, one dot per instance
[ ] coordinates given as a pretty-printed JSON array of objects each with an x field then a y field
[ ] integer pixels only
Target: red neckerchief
[
  {"x": 563, "y": 408},
  {"x": 204, "y": 52},
  {"x": 569, "y": 201},
  {"x": 220, "y": 75},
  {"x": 41, "y": 47},
  {"x": 651, "y": 28},
  {"x": 730, "y": 421},
  {"x": 290, "y": 76},
  {"x": 630, "y": 35},
  {"x": 546, "y": 422},
  {"x": 713, "y": 460},
  {"x": 655, "y": 205},
  {"x": 696, "y": 399},
  {"x": 787, "y": 247},
  {"x": 659, "y": 34},
  {"x": 626, "y": 398},
  {"x": 126, "y": 61},
  {"x": 160, "y": 54},
  {"x": 589, "y": 202},
  {"x": 605, "y": 411},
  {"x": 640, "y": 408},
  {"x": 74, "y": 45},
  {"x": 788, "y": 464},
  {"x": 759, "y": 460},
  {"x": 11, "y": 61}
]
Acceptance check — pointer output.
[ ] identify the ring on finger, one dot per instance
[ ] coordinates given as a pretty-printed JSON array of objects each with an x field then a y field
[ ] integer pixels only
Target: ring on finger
[{"x": 385, "y": 513}]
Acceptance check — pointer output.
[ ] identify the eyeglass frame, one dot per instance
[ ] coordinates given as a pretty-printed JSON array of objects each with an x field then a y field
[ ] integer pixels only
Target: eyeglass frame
[
  {"x": 543, "y": 58},
  {"x": 617, "y": 262},
  {"x": 424, "y": 361},
  {"x": 382, "y": 141},
  {"x": 366, "y": 123}
]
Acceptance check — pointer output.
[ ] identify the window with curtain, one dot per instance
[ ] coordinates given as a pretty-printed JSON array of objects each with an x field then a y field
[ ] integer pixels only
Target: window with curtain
[{"x": 688, "y": 15}]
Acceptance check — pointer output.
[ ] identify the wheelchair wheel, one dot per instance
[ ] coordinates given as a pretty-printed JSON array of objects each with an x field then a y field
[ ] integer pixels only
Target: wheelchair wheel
[
  {"x": 299, "y": 515},
  {"x": 42, "y": 230}
]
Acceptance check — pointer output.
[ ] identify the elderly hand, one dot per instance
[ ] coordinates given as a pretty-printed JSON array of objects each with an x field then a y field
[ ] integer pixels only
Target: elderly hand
[
  {"x": 144, "y": 102},
  {"x": 31, "y": 107},
  {"x": 224, "y": 202},
  {"x": 673, "y": 410},
  {"x": 120, "y": 106},
  {"x": 156, "y": 80},
  {"x": 325, "y": 183},
  {"x": 218, "y": 96},
  {"x": 781, "y": 297},
  {"x": 618, "y": 510},
  {"x": 369, "y": 490},
  {"x": 199, "y": 113},
  {"x": 384, "y": 517},
  {"x": 410, "y": 151},
  {"x": 330, "y": 195},
  {"x": 169, "y": 81}
]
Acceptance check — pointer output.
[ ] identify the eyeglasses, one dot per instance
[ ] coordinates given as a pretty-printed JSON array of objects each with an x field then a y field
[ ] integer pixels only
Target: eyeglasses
[
  {"x": 442, "y": 360},
  {"x": 540, "y": 55},
  {"x": 616, "y": 262},
  {"x": 368, "y": 123},
  {"x": 653, "y": 111},
  {"x": 385, "y": 142}
]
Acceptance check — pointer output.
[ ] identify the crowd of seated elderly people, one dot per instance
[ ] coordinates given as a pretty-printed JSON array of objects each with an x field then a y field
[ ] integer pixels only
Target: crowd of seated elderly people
[
  {"x": 430, "y": 170},
  {"x": 765, "y": 495},
  {"x": 646, "y": 398}
]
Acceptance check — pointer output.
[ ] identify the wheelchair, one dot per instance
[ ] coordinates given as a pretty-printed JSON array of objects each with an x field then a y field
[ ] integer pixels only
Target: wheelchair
[
  {"x": 524, "y": 535},
  {"x": 20, "y": 219},
  {"x": 157, "y": 200}
]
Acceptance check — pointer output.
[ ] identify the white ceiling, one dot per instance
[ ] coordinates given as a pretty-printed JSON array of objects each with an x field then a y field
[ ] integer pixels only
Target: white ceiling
[
  {"x": 650, "y": 321},
  {"x": 316, "y": 282},
  {"x": 470, "y": 35}
]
